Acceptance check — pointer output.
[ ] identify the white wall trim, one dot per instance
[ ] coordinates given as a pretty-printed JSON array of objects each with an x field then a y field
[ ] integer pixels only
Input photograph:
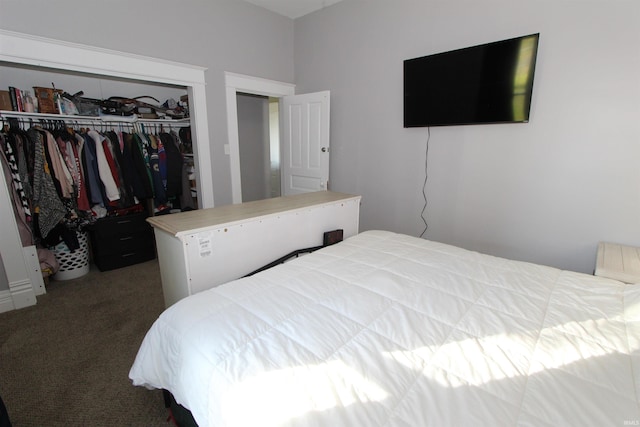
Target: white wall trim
[
  {"x": 6, "y": 301},
  {"x": 247, "y": 84},
  {"x": 22, "y": 293},
  {"x": 258, "y": 85},
  {"x": 27, "y": 49}
]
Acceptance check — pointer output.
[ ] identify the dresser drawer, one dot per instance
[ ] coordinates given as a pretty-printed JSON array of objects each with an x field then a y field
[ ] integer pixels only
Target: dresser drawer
[
  {"x": 119, "y": 242},
  {"x": 124, "y": 259},
  {"x": 121, "y": 225},
  {"x": 122, "y": 241}
]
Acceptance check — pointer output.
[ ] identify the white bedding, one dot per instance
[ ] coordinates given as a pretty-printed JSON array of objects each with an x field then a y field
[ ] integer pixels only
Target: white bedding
[{"x": 387, "y": 329}]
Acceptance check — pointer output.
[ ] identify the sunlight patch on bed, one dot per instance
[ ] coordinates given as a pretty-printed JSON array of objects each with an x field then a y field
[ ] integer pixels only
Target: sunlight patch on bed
[
  {"x": 472, "y": 361},
  {"x": 278, "y": 396},
  {"x": 480, "y": 360}
]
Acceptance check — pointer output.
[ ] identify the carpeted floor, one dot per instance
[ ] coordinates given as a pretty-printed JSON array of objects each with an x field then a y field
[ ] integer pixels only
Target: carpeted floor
[{"x": 66, "y": 360}]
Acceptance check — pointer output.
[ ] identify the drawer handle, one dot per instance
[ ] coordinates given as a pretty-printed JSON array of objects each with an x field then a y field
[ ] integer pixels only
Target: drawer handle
[
  {"x": 124, "y": 221},
  {"x": 126, "y": 238},
  {"x": 126, "y": 255}
]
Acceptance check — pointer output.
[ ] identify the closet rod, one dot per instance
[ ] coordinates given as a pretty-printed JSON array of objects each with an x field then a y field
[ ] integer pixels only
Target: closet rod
[{"x": 93, "y": 119}]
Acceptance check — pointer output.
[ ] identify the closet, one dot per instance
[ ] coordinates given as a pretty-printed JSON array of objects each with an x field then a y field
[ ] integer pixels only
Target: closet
[
  {"x": 22, "y": 51},
  {"x": 104, "y": 176}
]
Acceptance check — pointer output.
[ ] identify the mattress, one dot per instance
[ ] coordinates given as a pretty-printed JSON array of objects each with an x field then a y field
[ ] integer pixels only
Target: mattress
[{"x": 388, "y": 329}]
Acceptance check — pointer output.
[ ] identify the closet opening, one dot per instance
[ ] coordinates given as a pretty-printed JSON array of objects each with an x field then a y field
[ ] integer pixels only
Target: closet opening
[
  {"x": 162, "y": 110},
  {"x": 28, "y": 61}
]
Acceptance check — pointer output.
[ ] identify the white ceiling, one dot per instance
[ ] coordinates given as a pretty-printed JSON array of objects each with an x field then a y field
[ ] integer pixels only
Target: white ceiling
[{"x": 293, "y": 8}]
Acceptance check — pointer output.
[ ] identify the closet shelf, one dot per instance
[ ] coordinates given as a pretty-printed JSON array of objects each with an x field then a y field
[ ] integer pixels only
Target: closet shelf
[{"x": 93, "y": 119}]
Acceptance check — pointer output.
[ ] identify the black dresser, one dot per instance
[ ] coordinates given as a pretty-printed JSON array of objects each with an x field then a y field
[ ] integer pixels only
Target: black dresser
[{"x": 120, "y": 241}]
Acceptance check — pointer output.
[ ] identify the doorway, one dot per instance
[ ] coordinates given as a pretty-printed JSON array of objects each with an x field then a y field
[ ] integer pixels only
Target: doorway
[
  {"x": 238, "y": 83},
  {"x": 259, "y": 146},
  {"x": 304, "y": 121}
]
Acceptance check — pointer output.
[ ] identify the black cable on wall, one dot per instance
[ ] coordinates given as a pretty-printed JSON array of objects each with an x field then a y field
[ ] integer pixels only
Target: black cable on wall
[{"x": 423, "y": 214}]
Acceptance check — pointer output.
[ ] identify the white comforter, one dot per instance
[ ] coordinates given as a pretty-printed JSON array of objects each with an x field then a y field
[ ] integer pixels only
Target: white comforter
[{"x": 387, "y": 329}]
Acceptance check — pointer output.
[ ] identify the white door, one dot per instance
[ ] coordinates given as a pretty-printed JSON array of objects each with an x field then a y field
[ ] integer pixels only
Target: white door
[{"x": 305, "y": 143}]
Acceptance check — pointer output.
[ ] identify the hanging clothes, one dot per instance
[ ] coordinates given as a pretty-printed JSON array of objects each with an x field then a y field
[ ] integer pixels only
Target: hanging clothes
[
  {"x": 21, "y": 205},
  {"x": 159, "y": 195},
  {"x": 83, "y": 197},
  {"x": 143, "y": 147},
  {"x": 18, "y": 140},
  {"x": 174, "y": 162},
  {"x": 104, "y": 170},
  {"x": 95, "y": 189},
  {"x": 186, "y": 200},
  {"x": 48, "y": 263},
  {"x": 47, "y": 206},
  {"x": 58, "y": 166},
  {"x": 16, "y": 180},
  {"x": 162, "y": 159},
  {"x": 113, "y": 146},
  {"x": 65, "y": 177},
  {"x": 135, "y": 168}
]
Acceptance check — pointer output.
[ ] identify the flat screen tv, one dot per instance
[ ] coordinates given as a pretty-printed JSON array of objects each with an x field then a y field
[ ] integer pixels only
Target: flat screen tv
[{"x": 489, "y": 83}]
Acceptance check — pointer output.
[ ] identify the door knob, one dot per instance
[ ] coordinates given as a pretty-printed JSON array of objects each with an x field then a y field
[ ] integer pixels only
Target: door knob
[{"x": 325, "y": 149}]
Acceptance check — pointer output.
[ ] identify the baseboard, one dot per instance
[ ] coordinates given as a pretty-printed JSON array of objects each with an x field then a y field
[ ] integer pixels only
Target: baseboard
[
  {"x": 19, "y": 295},
  {"x": 6, "y": 302},
  {"x": 22, "y": 294}
]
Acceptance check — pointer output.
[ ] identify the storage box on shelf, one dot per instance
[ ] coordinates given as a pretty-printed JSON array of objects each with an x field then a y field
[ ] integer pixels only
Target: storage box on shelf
[
  {"x": 121, "y": 241},
  {"x": 46, "y": 99}
]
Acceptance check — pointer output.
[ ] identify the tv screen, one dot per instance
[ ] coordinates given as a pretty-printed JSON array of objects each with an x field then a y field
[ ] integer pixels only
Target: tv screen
[{"x": 489, "y": 83}]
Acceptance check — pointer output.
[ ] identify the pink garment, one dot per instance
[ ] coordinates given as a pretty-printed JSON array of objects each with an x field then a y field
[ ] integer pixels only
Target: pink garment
[
  {"x": 58, "y": 166},
  {"x": 49, "y": 265}
]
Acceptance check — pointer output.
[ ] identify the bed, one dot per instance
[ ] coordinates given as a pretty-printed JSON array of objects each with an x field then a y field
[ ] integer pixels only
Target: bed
[{"x": 389, "y": 329}]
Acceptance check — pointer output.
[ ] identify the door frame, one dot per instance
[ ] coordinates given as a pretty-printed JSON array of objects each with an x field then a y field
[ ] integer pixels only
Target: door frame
[{"x": 235, "y": 83}]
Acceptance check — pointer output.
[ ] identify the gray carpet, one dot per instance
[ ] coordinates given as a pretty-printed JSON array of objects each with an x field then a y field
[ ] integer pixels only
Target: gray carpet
[{"x": 66, "y": 360}]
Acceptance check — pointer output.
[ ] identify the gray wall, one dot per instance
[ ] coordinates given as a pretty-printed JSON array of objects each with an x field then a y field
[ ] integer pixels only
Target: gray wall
[
  {"x": 546, "y": 191},
  {"x": 222, "y": 35}
]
